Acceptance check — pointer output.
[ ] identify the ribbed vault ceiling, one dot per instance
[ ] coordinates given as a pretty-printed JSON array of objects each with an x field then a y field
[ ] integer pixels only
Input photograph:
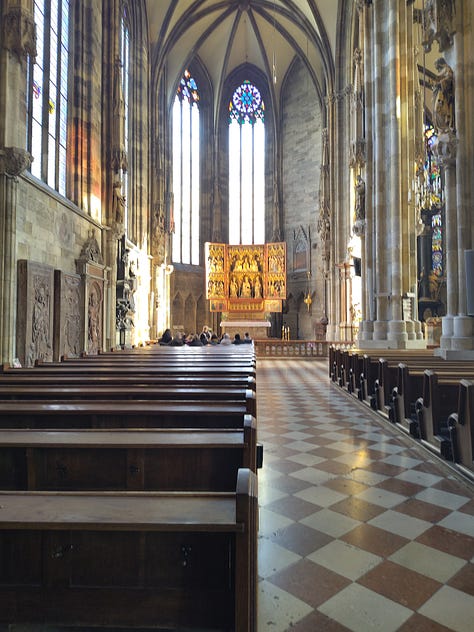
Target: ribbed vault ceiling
[{"x": 225, "y": 34}]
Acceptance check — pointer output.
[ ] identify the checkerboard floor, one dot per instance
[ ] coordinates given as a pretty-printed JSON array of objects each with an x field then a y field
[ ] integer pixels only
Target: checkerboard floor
[{"x": 360, "y": 528}]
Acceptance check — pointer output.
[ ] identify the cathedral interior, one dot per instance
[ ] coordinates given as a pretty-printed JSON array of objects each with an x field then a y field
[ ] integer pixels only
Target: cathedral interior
[
  {"x": 303, "y": 168},
  {"x": 132, "y": 134}
]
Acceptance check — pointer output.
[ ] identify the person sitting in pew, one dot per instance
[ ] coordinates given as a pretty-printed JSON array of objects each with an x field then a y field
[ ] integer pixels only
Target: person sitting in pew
[
  {"x": 195, "y": 341},
  {"x": 177, "y": 341},
  {"x": 237, "y": 340},
  {"x": 247, "y": 339},
  {"x": 166, "y": 338},
  {"x": 226, "y": 340}
]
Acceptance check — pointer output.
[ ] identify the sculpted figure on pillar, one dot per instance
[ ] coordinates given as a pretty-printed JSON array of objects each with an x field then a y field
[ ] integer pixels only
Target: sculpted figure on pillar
[
  {"x": 360, "y": 199},
  {"x": 443, "y": 97},
  {"x": 438, "y": 20}
]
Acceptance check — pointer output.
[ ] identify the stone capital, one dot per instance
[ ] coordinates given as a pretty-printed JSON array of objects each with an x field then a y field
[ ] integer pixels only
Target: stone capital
[
  {"x": 19, "y": 32},
  {"x": 14, "y": 160}
]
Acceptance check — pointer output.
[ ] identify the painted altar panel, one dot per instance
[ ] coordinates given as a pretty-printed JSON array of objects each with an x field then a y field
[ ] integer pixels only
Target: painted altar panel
[{"x": 245, "y": 278}]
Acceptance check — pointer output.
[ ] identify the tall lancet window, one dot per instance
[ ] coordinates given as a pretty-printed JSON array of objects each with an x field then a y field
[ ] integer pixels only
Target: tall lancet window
[
  {"x": 123, "y": 114},
  {"x": 47, "y": 96},
  {"x": 246, "y": 166},
  {"x": 186, "y": 207},
  {"x": 434, "y": 183}
]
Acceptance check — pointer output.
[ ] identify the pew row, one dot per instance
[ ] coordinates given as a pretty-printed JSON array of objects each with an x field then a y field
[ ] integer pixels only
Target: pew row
[
  {"x": 149, "y": 559},
  {"x": 461, "y": 424},
  {"x": 157, "y": 460},
  {"x": 54, "y": 414},
  {"x": 155, "y": 393},
  {"x": 426, "y": 403}
]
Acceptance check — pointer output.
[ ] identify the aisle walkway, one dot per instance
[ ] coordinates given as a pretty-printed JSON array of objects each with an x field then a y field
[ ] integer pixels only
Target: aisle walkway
[{"x": 359, "y": 528}]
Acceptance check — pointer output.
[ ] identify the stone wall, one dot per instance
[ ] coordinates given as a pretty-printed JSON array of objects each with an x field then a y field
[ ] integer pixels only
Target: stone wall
[{"x": 301, "y": 150}]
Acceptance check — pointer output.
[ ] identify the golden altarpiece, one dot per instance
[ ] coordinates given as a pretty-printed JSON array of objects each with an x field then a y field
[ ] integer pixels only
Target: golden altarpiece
[{"x": 246, "y": 283}]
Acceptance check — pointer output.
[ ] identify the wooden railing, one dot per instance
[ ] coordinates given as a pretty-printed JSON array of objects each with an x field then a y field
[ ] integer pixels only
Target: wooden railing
[{"x": 304, "y": 349}]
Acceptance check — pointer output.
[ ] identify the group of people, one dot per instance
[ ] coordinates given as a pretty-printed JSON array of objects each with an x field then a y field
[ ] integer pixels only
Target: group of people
[{"x": 206, "y": 337}]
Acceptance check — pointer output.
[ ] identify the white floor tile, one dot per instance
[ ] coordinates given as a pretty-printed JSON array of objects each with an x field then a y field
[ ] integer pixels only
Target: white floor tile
[{"x": 428, "y": 561}]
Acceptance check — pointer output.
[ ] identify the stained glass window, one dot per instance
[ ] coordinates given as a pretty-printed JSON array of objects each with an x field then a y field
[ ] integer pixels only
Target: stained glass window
[
  {"x": 434, "y": 198},
  {"x": 437, "y": 244},
  {"x": 186, "y": 172},
  {"x": 47, "y": 98},
  {"x": 246, "y": 105},
  {"x": 246, "y": 166},
  {"x": 432, "y": 172}
]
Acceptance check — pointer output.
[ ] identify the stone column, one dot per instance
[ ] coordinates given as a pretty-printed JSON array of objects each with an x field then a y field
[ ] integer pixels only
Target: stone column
[
  {"x": 381, "y": 203},
  {"x": 446, "y": 150},
  {"x": 367, "y": 250},
  {"x": 12, "y": 162},
  {"x": 463, "y": 325},
  {"x": 18, "y": 37},
  {"x": 396, "y": 326}
]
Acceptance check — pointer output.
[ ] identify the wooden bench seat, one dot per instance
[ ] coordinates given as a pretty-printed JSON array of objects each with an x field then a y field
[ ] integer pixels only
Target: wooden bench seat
[
  {"x": 461, "y": 423},
  {"x": 120, "y": 370},
  {"x": 53, "y": 414},
  {"x": 104, "y": 392},
  {"x": 169, "y": 560},
  {"x": 18, "y": 377},
  {"x": 163, "y": 460}
]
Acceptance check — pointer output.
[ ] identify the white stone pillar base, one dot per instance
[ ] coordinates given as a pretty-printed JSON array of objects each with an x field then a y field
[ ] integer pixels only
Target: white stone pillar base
[
  {"x": 366, "y": 330},
  {"x": 397, "y": 331},
  {"x": 410, "y": 329},
  {"x": 380, "y": 330},
  {"x": 447, "y": 325}
]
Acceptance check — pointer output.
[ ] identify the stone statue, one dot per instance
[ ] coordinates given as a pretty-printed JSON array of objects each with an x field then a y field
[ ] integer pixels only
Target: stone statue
[
  {"x": 118, "y": 203},
  {"x": 443, "y": 97},
  {"x": 360, "y": 199}
]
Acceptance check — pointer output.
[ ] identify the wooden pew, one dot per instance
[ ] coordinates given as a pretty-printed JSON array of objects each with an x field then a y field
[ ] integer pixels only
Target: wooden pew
[
  {"x": 104, "y": 392},
  {"x": 461, "y": 423},
  {"x": 16, "y": 377},
  {"x": 408, "y": 390},
  {"x": 54, "y": 414},
  {"x": 113, "y": 460},
  {"x": 433, "y": 410},
  {"x": 169, "y": 560}
]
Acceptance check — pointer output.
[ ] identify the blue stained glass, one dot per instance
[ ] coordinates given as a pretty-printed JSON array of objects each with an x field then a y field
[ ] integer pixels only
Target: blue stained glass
[
  {"x": 437, "y": 244},
  {"x": 187, "y": 89},
  {"x": 247, "y": 104}
]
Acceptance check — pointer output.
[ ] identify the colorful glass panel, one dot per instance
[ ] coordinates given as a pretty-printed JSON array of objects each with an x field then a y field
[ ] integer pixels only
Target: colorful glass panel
[
  {"x": 437, "y": 244},
  {"x": 246, "y": 105},
  {"x": 187, "y": 89}
]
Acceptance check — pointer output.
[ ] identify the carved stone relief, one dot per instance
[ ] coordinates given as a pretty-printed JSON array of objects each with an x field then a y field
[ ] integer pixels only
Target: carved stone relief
[
  {"x": 93, "y": 277},
  {"x": 68, "y": 318},
  {"x": 34, "y": 312},
  {"x": 94, "y": 316}
]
